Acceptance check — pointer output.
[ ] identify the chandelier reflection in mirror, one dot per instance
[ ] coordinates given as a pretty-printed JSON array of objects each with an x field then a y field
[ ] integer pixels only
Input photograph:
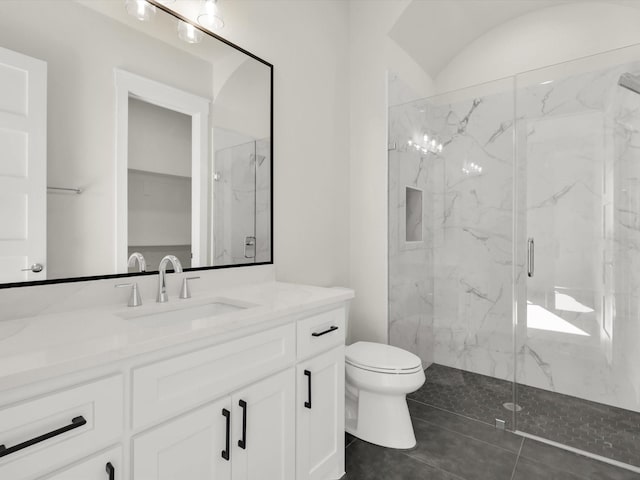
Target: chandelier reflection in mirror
[
  {"x": 140, "y": 9},
  {"x": 209, "y": 17}
]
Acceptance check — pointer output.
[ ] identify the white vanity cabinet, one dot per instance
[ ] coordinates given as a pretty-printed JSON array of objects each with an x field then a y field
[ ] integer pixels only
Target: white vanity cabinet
[
  {"x": 320, "y": 417},
  {"x": 105, "y": 466},
  {"x": 43, "y": 434},
  {"x": 248, "y": 435},
  {"x": 264, "y": 430},
  {"x": 188, "y": 447},
  {"x": 264, "y": 405},
  {"x": 320, "y": 396}
]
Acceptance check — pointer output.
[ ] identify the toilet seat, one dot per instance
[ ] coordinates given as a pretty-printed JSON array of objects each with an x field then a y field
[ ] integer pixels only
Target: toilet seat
[{"x": 380, "y": 358}]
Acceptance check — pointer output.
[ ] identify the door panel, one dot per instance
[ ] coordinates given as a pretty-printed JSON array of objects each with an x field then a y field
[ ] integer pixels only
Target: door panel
[
  {"x": 106, "y": 466},
  {"x": 269, "y": 451},
  {"x": 189, "y": 447},
  {"x": 23, "y": 169},
  {"x": 320, "y": 429}
]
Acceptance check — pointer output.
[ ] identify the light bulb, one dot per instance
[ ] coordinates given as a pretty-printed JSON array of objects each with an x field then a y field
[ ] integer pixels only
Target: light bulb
[
  {"x": 210, "y": 16},
  {"x": 410, "y": 142},
  {"x": 426, "y": 137},
  {"x": 140, "y": 9},
  {"x": 189, "y": 33}
]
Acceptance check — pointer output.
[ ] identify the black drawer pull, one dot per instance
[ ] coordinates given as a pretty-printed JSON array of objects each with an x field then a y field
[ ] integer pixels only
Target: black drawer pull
[
  {"x": 111, "y": 471},
  {"x": 243, "y": 442},
  {"x": 308, "y": 403},
  {"x": 75, "y": 423},
  {"x": 225, "y": 452},
  {"x": 329, "y": 330}
]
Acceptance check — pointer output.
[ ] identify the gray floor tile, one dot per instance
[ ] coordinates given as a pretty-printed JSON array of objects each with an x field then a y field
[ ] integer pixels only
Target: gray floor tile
[
  {"x": 465, "y": 426},
  {"x": 369, "y": 462},
  {"x": 461, "y": 455},
  {"x": 583, "y": 467},
  {"x": 530, "y": 470},
  {"x": 601, "y": 429},
  {"x": 475, "y": 396}
]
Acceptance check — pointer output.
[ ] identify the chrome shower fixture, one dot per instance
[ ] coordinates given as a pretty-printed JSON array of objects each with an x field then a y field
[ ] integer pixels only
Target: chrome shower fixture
[{"x": 630, "y": 82}]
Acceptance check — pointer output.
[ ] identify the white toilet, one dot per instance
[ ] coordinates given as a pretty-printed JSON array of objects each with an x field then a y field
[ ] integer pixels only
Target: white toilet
[{"x": 378, "y": 379}]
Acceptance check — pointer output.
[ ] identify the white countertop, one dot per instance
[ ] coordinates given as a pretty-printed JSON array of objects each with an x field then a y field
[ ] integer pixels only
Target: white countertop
[{"x": 44, "y": 346}]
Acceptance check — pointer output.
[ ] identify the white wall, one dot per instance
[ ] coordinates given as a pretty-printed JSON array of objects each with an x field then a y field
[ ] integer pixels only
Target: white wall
[
  {"x": 372, "y": 54},
  {"x": 544, "y": 37},
  {"x": 307, "y": 42},
  {"x": 159, "y": 139}
]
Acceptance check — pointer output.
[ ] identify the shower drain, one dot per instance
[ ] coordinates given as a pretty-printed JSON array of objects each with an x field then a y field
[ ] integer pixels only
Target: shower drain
[{"x": 512, "y": 407}]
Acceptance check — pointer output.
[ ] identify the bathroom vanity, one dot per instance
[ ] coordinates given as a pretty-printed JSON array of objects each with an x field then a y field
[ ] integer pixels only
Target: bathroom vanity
[{"x": 244, "y": 384}]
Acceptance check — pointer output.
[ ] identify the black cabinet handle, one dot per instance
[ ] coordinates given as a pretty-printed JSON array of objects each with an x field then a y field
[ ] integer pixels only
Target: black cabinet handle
[
  {"x": 243, "y": 442},
  {"x": 308, "y": 374},
  {"x": 329, "y": 330},
  {"x": 75, "y": 423},
  {"x": 111, "y": 471},
  {"x": 225, "y": 452}
]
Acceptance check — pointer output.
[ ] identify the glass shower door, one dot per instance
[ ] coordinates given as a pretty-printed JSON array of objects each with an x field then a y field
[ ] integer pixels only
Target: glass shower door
[
  {"x": 234, "y": 205},
  {"x": 576, "y": 368}
]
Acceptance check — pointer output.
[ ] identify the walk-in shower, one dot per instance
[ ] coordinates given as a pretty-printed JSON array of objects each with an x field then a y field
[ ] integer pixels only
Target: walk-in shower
[{"x": 547, "y": 158}]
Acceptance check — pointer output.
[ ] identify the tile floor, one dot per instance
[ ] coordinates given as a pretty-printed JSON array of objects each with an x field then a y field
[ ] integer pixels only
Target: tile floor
[
  {"x": 607, "y": 431},
  {"x": 453, "y": 447}
]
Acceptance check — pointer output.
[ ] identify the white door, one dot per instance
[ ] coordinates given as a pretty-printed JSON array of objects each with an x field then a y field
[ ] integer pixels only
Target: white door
[
  {"x": 105, "y": 466},
  {"x": 23, "y": 166},
  {"x": 190, "y": 447},
  {"x": 320, "y": 416},
  {"x": 264, "y": 429}
]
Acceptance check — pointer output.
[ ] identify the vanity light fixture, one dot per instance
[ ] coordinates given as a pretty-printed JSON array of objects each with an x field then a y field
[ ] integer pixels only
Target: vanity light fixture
[
  {"x": 140, "y": 9},
  {"x": 189, "y": 33},
  {"x": 210, "y": 16}
]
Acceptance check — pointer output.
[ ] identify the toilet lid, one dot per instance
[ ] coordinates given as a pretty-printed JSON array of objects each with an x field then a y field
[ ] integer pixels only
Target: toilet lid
[{"x": 381, "y": 358}]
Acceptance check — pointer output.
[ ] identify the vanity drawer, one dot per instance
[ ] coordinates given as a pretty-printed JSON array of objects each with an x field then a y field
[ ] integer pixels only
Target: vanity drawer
[
  {"x": 100, "y": 467},
  {"x": 321, "y": 332},
  {"x": 166, "y": 388},
  {"x": 51, "y": 431}
]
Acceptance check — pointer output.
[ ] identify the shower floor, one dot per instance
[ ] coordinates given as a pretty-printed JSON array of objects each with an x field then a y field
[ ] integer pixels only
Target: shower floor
[{"x": 593, "y": 427}]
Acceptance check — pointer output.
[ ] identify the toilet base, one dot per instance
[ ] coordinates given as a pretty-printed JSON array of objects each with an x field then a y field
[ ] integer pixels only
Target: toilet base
[{"x": 382, "y": 420}]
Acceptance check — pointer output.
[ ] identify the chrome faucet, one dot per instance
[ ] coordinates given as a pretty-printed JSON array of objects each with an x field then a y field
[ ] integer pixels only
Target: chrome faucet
[
  {"x": 162, "y": 276},
  {"x": 139, "y": 258}
]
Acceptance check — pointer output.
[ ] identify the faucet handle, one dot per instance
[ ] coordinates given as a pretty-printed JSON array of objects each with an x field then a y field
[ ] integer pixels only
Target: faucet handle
[
  {"x": 184, "y": 291},
  {"x": 134, "y": 299}
]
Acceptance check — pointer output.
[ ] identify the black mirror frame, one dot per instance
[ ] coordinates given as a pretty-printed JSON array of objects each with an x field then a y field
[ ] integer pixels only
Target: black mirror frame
[{"x": 176, "y": 15}]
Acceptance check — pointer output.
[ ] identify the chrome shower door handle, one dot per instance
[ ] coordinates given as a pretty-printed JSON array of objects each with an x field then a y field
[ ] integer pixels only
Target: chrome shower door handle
[{"x": 530, "y": 257}]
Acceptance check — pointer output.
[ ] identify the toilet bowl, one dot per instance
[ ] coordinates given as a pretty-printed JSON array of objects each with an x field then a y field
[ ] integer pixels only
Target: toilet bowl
[{"x": 378, "y": 378}]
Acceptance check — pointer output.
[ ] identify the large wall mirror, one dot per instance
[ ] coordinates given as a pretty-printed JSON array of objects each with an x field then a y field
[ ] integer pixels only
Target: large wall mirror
[{"x": 123, "y": 139}]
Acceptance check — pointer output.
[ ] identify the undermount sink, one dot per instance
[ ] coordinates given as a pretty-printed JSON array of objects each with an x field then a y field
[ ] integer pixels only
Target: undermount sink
[{"x": 177, "y": 314}]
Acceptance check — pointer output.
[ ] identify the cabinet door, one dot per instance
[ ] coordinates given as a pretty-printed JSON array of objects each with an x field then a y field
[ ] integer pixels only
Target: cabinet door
[
  {"x": 105, "y": 466},
  {"x": 189, "y": 447},
  {"x": 320, "y": 417},
  {"x": 264, "y": 429}
]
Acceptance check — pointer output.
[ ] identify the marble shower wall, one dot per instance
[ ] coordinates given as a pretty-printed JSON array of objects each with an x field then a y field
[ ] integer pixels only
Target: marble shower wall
[
  {"x": 450, "y": 297},
  {"x": 410, "y": 262}
]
